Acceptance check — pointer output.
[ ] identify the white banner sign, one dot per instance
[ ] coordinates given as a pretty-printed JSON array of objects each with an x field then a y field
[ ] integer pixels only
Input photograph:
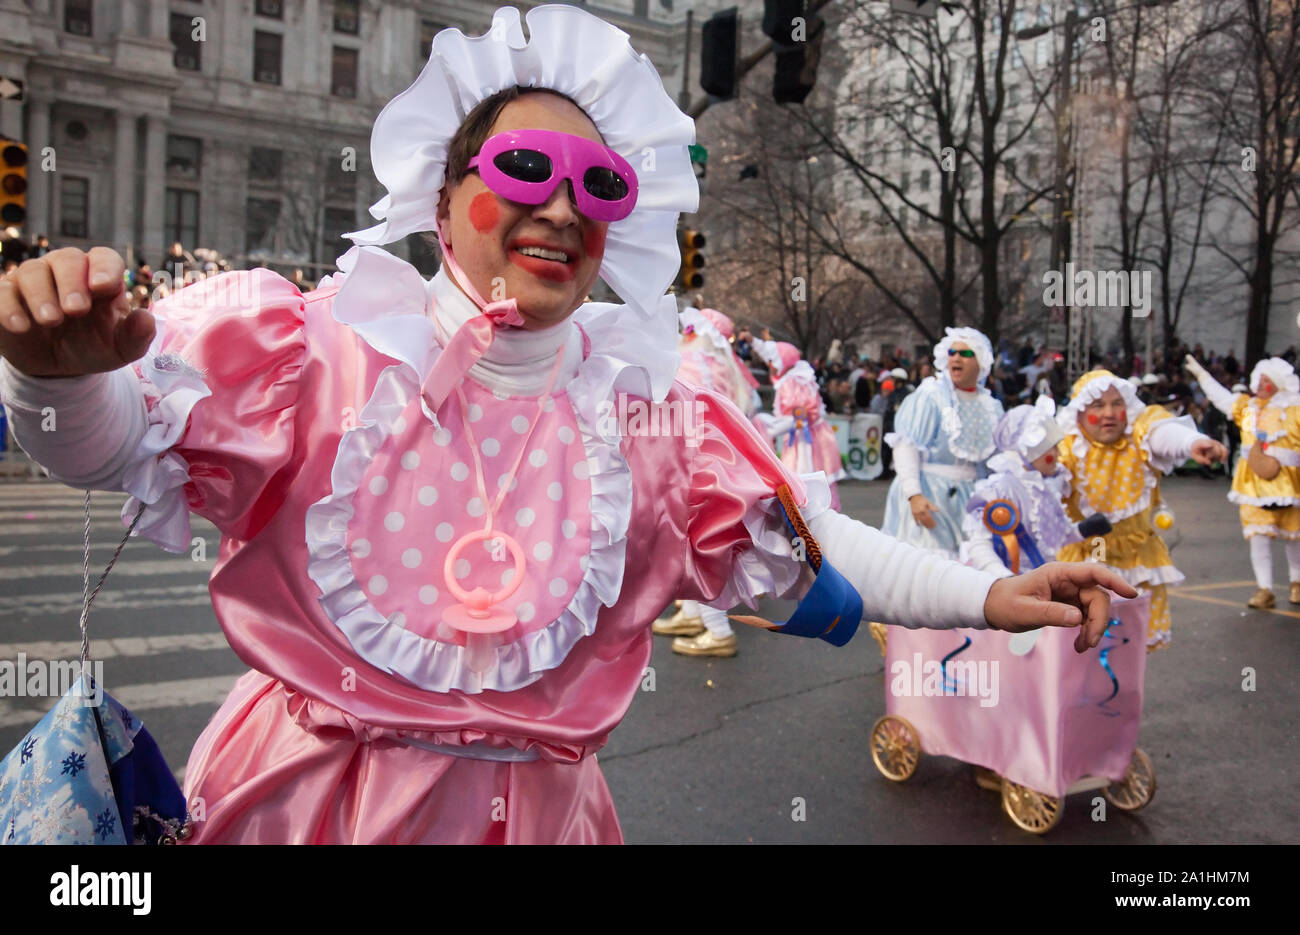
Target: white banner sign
[{"x": 859, "y": 441}]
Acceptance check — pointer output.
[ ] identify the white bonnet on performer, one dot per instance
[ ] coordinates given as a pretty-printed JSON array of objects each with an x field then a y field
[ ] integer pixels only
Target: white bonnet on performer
[
  {"x": 577, "y": 54},
  {"x": 1029, "y": 431},
  {"x": 1280, "y": 373},
  {"x": 972, "y": 339}
]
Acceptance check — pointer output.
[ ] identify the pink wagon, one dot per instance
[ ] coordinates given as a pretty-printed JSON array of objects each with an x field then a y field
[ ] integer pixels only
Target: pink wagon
[{"x": 1041, "y": 720}]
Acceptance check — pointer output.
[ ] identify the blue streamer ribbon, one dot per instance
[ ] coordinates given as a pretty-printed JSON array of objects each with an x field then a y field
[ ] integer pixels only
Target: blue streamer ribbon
[
  {"x": 950, "y": 687},
  {"x": 1104, "y": 659}
]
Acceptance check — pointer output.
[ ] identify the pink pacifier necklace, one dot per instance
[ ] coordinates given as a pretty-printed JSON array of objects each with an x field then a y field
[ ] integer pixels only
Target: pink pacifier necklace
[{"x": 477, "y": 613}]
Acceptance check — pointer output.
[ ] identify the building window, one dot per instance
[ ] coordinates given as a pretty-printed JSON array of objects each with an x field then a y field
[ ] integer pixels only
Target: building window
[
  {"x": 272, "y": 8},
  {"x": 923, "y": 181},
  {"x": 1033, "y": 165},
  {"x": 338, "y": 221},
  {"x": 185, "y": 55},
  {"x": 1040, "y": 52},
  {"x": 182, "y": 217},
  {"x": 184, "y": 157},
  {"x": 904, "y": 183},
  {"x": 77, "y": 17},
  {"x": 261, "y": 216},
  {"x": 343, "y": 75},
  {"x": 428, "y": 29},
  {"x": 347, "y": 16},
  {"x": 264, "y": 165},
  {"x": 266, "y": 57},
  {"x": 74, "y": 207}
]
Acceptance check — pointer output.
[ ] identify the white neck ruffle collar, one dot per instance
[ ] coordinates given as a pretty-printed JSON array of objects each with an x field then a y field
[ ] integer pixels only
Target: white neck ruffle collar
[
  {"x": 519, "y": 361},
  {"x": 388, "y": 304}
]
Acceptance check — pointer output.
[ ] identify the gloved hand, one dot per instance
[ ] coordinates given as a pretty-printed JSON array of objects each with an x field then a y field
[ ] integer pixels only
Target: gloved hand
[{"x": 1094, "y": 525}]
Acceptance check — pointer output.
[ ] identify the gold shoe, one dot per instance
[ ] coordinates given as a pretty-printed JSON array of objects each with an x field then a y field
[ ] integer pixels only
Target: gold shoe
[
  {"x": 1264, "y": 599},
  {"x": 880, "y": 635},
  {"x": 1295, "y": 592},
  {"x": 706, "y": 644},
  {"x": 679, "y": 625},
  {"x": 987, "y": 779}
]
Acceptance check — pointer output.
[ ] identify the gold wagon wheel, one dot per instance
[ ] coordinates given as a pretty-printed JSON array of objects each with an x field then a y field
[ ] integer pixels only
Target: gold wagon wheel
[
  {"x": 1031, "y": 811},
  {"x": 879, "y": 634},
  {"x": 1138, "y": 786},
  {"x": 895, "y": 747}
]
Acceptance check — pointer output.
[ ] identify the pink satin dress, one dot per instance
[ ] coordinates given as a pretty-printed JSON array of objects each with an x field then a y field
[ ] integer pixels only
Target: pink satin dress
[{"x": 363, "y": 718}]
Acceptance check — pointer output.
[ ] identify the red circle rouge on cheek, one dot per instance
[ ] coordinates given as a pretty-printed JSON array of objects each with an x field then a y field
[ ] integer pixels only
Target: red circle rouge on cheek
[
  {"x": 593, "y": 242},
  {"x": 1092, "y": 419},
  {"x": 483, "y": 212}
]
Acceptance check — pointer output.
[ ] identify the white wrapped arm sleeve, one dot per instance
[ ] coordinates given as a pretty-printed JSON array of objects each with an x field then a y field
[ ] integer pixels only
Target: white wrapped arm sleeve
[
  {"x": 82, "y": 430},
  {"x": 1218, "y": 394},
  {"x": 907, "y": 467},
  {"x": 1170, "y": 442},
  {"x": 899, "y": 583}
]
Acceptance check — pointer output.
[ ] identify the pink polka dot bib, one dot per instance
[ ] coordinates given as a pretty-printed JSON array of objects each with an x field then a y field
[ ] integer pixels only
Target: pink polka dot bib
[{"x": 418, "y": 497}]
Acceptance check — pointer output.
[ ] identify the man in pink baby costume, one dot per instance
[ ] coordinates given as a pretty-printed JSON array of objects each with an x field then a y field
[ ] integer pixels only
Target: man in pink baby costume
[
  {"x": 799, "y": 416},
  {"x": 433, "y": 533}
]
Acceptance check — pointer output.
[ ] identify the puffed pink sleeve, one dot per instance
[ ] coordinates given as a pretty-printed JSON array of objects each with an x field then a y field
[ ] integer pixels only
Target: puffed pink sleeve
[
  {"x": 221, "y": 384},
  {"x": 739, "y": 546}
]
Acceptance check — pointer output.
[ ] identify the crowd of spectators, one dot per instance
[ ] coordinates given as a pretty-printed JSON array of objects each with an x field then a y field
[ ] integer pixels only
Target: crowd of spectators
[
  {"x": 146, "y": 284},
  {"x": 852, "y": 383}
]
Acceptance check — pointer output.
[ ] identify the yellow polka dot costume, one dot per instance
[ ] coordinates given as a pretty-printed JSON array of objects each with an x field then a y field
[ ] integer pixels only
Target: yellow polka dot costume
[
  {"x": 1278, "y": 429},
  {"x": 1121, "y": 480},
  {"x": 1269, "y": 419}
]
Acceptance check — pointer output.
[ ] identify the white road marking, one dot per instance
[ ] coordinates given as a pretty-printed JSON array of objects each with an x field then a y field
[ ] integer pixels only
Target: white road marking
[
  {"x": 115, "y": 647},
  {"x": 150, "y": 696}
]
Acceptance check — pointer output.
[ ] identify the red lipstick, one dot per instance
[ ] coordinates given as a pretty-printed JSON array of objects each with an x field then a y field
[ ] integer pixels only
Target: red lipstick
[{"x": 550, "y": 270}]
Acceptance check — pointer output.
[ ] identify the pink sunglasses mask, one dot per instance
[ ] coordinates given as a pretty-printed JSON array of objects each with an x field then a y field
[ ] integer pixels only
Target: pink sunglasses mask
[{"x": 526, "y": 165}]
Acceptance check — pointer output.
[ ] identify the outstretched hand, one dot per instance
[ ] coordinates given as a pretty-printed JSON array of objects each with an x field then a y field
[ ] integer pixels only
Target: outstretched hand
[
  {"x": 1059, "y": 594},
  {"x": 67, "y": 314},
  {"x": 1207, "y": 451}
]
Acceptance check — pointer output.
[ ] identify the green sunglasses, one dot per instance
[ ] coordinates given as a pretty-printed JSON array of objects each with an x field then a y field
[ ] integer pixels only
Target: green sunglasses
[{"x": 964, "y": 352}]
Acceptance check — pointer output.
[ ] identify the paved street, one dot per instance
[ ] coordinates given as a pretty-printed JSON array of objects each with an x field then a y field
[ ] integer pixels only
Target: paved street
[{"x": 734, "y": 750}]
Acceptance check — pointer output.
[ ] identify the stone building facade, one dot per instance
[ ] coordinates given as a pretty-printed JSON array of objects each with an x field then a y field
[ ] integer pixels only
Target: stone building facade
[{"x": 237, "y": 125}]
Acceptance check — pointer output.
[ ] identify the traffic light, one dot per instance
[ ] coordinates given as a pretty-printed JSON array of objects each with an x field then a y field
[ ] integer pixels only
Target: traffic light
[
  {"x": 796, "y": 62},
  {"x": 778, "y": 19},
  {"x": 718, "y": 45},
  {"x": 13, "y": 183},
  {"x": 690, "y": 277}
]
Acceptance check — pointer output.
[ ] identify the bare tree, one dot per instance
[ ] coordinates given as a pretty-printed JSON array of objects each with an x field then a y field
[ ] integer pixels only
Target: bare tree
[
  {"x": 954, "y": 109},
  {"x": 1261, "y": 114}
]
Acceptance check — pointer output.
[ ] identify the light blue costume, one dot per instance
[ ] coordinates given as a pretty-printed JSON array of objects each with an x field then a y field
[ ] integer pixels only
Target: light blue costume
[{"x": 942, "y": 437}]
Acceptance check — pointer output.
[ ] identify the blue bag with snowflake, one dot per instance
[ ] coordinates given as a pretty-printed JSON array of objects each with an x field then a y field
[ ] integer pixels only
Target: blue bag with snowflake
[{"x": 88, "y": 772}]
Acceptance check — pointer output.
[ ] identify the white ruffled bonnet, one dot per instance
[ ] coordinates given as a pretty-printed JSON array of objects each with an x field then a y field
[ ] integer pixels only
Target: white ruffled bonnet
[
  {"x": 580, "y": 55},
  {"x": 1280, "y": 373},
  {"x": 1029, "y": 431},
  {"x": 973, "y": 339}
]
